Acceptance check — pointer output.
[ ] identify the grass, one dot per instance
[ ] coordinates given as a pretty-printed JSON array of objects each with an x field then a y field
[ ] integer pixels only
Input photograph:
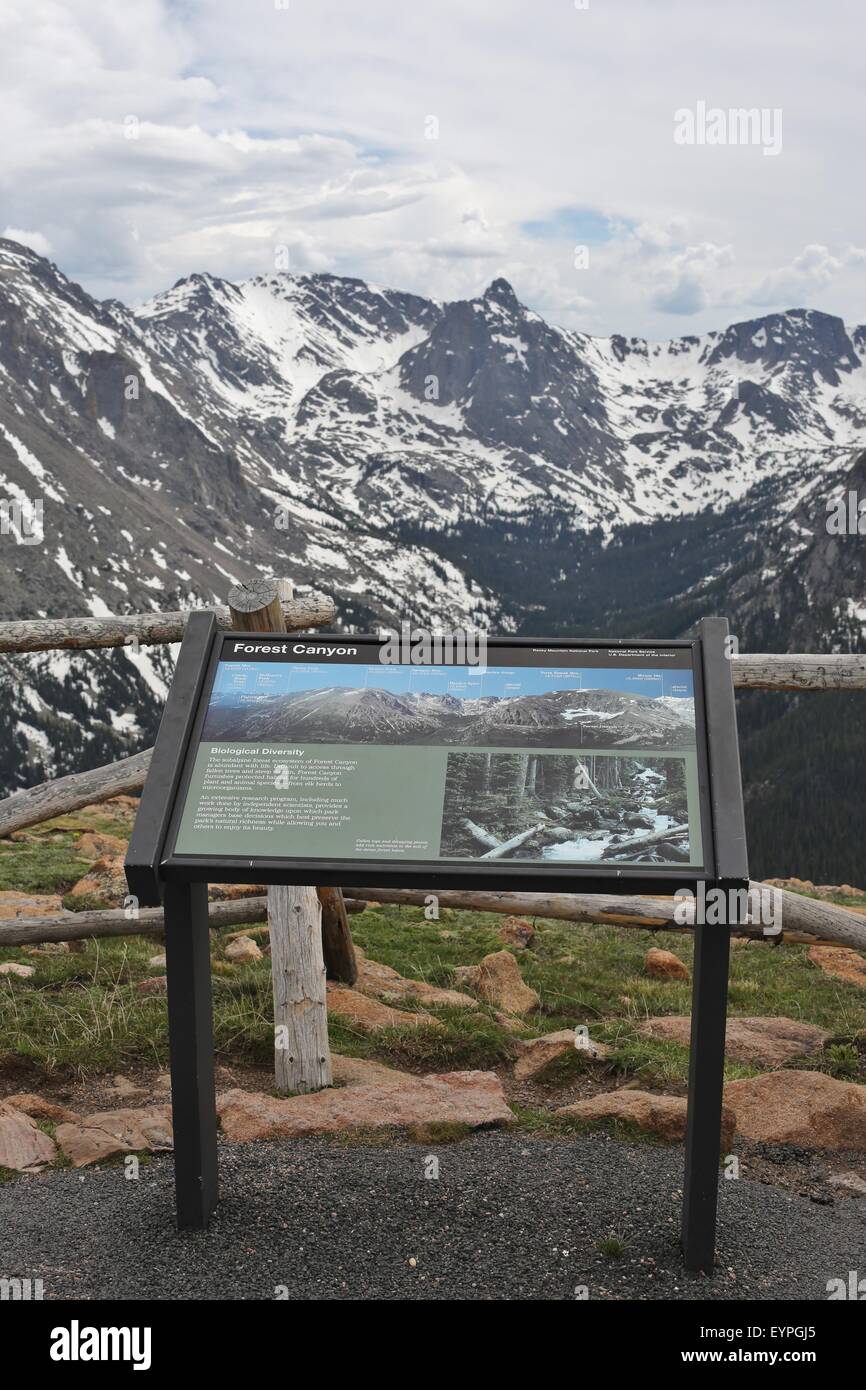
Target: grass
[
  {"x": 81, "y": 1014},
  {"x": 43, "y": 867}
]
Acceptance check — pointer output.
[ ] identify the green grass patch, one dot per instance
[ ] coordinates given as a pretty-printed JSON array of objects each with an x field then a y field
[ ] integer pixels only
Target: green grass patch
[
  {"x": 545, "y": 1124},
  {"x": 81, "y": 1012},
  {"x": 45, "y": 867},
  {"x": 612, "y": 1246}
]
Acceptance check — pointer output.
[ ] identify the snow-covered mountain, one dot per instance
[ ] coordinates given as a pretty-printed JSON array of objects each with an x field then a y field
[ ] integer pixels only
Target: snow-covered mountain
[
  {"x": 448, "y": 462},
  {"x": 559, "y": 719}
]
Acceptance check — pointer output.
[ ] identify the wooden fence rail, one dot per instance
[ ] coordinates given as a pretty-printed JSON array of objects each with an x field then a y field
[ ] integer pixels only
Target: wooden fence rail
[
  {"x": 60, "y": 795},
  {"x": 147, "y": 629},
  {"x": 799, "y": 671},
  {"x": 801, "y": 918},
  {"x": 113, "y": 921},
  {"x": 796, "y": 914},
  {"x": 752, "y": 670}
]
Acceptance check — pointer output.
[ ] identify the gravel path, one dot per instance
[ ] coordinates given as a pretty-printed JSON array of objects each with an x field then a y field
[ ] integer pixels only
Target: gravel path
[{"x": 508, "y": 1218}]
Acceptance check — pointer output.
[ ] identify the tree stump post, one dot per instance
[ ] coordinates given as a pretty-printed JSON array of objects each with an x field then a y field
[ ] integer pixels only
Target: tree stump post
[
  {"x": 302, "y": 1057},
  {"x": 339, "y": 949}
]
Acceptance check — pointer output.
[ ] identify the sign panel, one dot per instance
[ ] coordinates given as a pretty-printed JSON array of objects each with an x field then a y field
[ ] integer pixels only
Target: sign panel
[{"x": 553, "y": 761}]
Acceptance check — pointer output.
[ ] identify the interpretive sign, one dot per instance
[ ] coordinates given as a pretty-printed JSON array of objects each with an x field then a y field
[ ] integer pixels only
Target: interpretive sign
[
  {"x": 556, "y": 764},
  {"x": 560, "y": 765}
]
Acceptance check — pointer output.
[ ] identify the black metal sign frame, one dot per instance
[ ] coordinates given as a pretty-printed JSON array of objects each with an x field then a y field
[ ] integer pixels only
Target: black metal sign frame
[
  {"x": 156, "y": 874},
  {"x": 155, "y": 860}
]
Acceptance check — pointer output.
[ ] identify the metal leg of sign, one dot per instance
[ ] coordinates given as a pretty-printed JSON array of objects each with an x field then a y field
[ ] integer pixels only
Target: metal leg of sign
[
  {"x": 190, "y": 1027},
  {"x": 706, "y": 1081}
]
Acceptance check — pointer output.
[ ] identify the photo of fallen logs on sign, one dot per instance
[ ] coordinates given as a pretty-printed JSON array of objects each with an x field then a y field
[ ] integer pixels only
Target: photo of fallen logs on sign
[{"x": 560, "y": 806}]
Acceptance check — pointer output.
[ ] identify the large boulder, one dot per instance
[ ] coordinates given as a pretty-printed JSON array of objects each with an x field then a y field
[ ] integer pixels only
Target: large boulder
[
  {"x": 657, "y": 1114},
  {"x": 242, "y": 949},
  {"x": 664, "y": 965},
  {"x": 24, "y": 1147},
  {"x": 364, "y": 1071},
  {"x": 371, "y": 1014},
  {"x": 497, "y": 980},
  {"x": 805, "y": 1108},
  {"x": 473, "y": 1098},
  {"x": 840, "y": 962},
  {"x": 382, "y": 982},
  {"x": 98, "y": 1136},
  {"x": 104, "y": 882},
  {"x": 516, "y": 931},
  {"x": 93, "y": 845},
  {"x": 14, "y": 904},
  {"x": 535, "y": 1055},
  {"x": 763, "y": 1042},
  {"x": 37, "y": 1107}
]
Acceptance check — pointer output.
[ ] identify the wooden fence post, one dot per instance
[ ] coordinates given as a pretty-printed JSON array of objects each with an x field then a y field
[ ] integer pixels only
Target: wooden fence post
[
  {"x": 302, "y": 1058},
  {"x": 339, "y": 950}
]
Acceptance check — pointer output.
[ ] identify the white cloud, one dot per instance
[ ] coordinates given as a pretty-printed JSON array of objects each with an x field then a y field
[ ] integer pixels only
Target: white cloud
[
  {"x": 689, "y": 281},
  {"x": 796, "y": 285},
  {"x": 256, "y": 127},
  {"x": 35, "y": 240}
]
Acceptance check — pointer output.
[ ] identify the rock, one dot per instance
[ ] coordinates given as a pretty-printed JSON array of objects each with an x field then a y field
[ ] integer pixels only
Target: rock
[
  {"x": 157, "y": 984},
  {"x": 537, "y": 1053},
  {"x": 805, "y": 1108},
  {"x": 849, "y": 1182},
  {"x": 104, "y": 882},
  {"x": 516, "y": 931},
  {"x": 369, "y": 1014},
  {"x": 432, "y": 994},
  {"x": 37, "y": 1107},
  {"x": 382, "y": 982},
  {"x": 14, "y": 904},
  {"x": 764, "y": 1042},
  {"x": 841, "y": 962},
  {"x": 157, "y": 962},
  {"x": 47, "y": 948},
  {"x": 24, "y": 1147},
  {"x": 126, "y": 1089},
  {"x": 93, "y": 845},
  {"x": 662, "y": 1115},
  {"x": 509, "y": 1022},
  {"x": 98, "y": 1136},
  {"x": 497, "y": 980},
  {"x": 263, "y": 929},
  {"x": 120, "y": 807},
  {"x": 231, "y": 892},
  {"x": 358, "y": 1071},
  {"x": 12, "y": 967},
  {"x": 242, "y": 949},
  {"x": 664, "y": 965},
  {"x": 473, "y": 1098}
]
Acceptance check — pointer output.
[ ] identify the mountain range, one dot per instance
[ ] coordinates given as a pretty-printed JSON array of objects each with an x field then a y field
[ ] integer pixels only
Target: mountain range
[
  {"x": 559, "y": 719},
  {"x": 436, "y": 462}
]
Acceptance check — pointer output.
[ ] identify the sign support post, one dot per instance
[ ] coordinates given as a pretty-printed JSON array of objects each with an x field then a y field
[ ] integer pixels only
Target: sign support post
[
  {"x": 712, "y": 955},
  {"x": 706, "y": 1082},
  {"x": 190, "y": 1028}
]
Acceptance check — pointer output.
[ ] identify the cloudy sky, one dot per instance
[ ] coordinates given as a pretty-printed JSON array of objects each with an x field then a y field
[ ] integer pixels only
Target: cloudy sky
[{"x": 435, "y": 146}]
